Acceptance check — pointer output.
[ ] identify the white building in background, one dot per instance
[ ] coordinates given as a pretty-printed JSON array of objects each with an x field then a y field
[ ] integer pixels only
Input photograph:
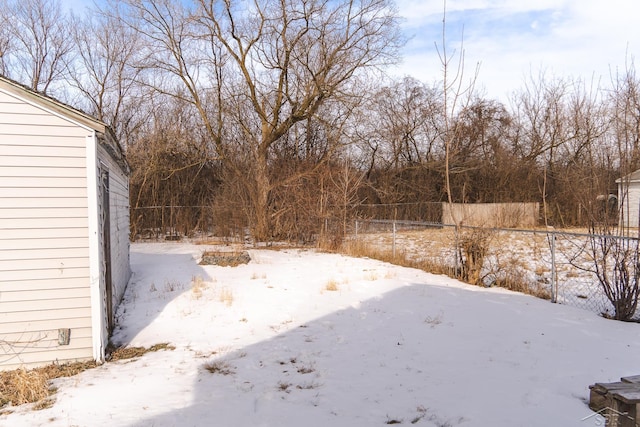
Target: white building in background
[{"x": 629, "y": 199}]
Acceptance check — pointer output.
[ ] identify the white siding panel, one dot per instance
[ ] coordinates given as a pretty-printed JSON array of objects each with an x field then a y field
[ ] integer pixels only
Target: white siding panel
[
  {"x": 38, "y": 254},
  {"x": 45, "y": 202},
  {"x": 43, "y": 233},
  {"x": 38, "y": 315},
  {"x": 42, "y": 357},
  {"x": 11, "y": 129},
  {"x": 44, "y": 238},
  {"x": 42, "y": 212},
  {"x": 45, "y": 141},
  {"x": 24, "y": 307},
  {"x": 43, "y": 264},
  {"x": 41, "y": 294},
  {"x": 43, "y": 325},
  {"x": 14, "y": 106},
  {"x": 39, "y": 224},
  {"x": 39, "y": 161},
  {"x": 26, "y": 151},
  {"x": 39, "y": 182},
  {"x": 49, "y": 339},
  {"x": 39, "y": 119},
  {"x": 119, "y": 228},
  {"x": 36, "y": 243},
  {"x": 9, "y": 192},
  {"x": 26, "y": 171},
  {"x": 45, "y": 284}
]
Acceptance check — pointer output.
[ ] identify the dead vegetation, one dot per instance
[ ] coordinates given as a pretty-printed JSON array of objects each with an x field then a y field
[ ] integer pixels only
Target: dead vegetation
[
  {"x": 22, "y": 386},
  {"x": 484, "y": 258}
]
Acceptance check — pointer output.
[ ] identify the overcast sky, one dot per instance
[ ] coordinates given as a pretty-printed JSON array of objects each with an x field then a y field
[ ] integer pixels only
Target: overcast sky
[{"x": 513, "y": 39}]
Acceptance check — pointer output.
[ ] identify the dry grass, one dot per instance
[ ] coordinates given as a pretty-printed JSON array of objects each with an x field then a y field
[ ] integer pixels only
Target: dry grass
[
  {"x": 517, "y": 284},
  {"x": 226, "y": 296},
  {"x": 124, "y": 353},
  {"x": 22, "y": 386},
  {"x": 363, "y": 249},
  {"x": 197, "y": 286},
  {"x": 513, "y": 277},
  {"x": 331, "y": 285}
]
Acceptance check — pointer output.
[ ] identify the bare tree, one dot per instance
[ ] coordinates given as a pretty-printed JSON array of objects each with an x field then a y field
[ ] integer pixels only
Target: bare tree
[
  {"x": 40, "y": 42},
  {"x": 398, "y": 135},
  {"x": 260, "y": 67},
  {"x": 456, "y": 94},
  {"x": 292, "y": 57},
  {"x": 104, "y": 73},
  {"x": 5, "y": 40},
  {"x": 542, "y": 114}
]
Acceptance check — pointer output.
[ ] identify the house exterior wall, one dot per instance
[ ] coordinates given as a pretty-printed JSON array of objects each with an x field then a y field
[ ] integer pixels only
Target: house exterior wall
[
  {"x": 119, "y": 224},
  {"x": 44, "y": 238},
  {"x": 629, "y": 197}
]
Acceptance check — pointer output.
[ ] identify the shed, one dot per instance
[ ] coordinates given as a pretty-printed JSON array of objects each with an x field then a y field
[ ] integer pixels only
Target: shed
[
  {"x": 629, "y": 199},
  {"x": 64, "y": 230}
]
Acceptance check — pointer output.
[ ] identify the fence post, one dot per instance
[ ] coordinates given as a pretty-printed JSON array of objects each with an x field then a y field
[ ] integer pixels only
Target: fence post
[
  {"x": 356, "y": 229},
  {"x": 554, "y": 279},
  {"x": 393, "y": 246}
]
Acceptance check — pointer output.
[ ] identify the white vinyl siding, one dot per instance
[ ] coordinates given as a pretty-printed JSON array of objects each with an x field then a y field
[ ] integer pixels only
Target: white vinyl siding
[
  {"x": 629, "y": 199},
  {"x": 119, "y": 228},
  {"x": 44, "y": 238}
]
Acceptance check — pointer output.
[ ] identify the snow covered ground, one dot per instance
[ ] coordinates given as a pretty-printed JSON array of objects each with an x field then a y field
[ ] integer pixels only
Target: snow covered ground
[{"x": 299, "y": 338}]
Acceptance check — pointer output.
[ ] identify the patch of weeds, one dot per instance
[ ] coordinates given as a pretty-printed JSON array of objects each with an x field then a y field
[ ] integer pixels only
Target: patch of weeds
[
  {"x": 283, "y": 386},
  {"x": 21, "y": 386},
  {"x": 422, "y": 411},
  {"x": 434, "y": 321},
  {"x": 172, "y": 285},
  {"x": 308, "y": 386},
  {"x": 219, "y": 367},
  {"x": 541, "y": 270},
  {"x": 197, "y": 286},
  {"x": 152, "y": 288},
  {"x": 305, "y": 370},
  {"x": 44, "y": 404},
  {"x": 226, "y": 296},
  {"x": 371, "y": 276},
  {"x": 393, "y": 421},
  {"x": 124, "y": 353},
  {"x": 331, "y": 285}
]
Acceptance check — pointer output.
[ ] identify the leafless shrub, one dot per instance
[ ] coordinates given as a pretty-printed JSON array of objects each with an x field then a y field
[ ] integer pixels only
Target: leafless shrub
[
  {"x": 615, "y": 261},
  {"x": 473, "y": 248}
]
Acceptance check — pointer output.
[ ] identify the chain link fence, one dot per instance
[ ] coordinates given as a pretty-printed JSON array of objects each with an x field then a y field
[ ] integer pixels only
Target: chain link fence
[
  {"x": 550, "y": 263},
  {"x": 553, "y": 264},
  {"x": 176, "y": 222}
]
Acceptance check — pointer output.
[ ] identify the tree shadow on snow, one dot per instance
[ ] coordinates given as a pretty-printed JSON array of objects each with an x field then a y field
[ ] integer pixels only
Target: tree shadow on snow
[{"x": 420, "y": 354}]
